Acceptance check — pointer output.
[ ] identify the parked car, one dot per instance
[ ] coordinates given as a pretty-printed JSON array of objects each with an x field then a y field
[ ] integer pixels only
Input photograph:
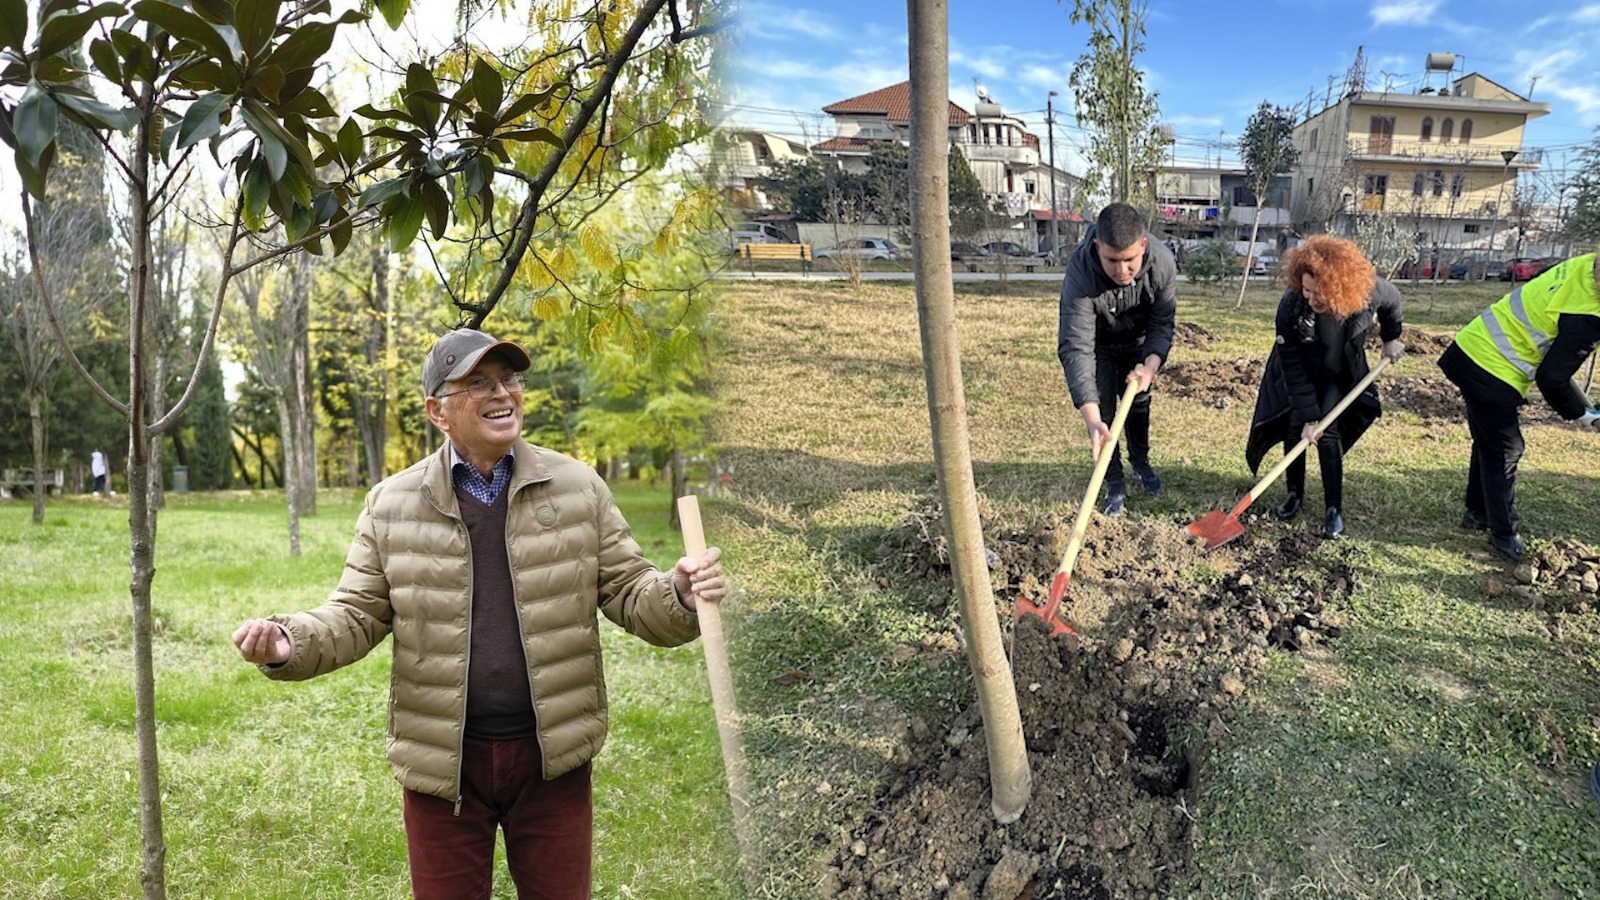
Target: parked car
[
  {"x": 862, "y": 248},
  {"x": 1525, "y": 268},
  {"x": 756, "y": 233},
  {"x": 1005, "y": 248},
  {"x": 1265, "y": 264},
  {"x": 959, "y": 249},
  {"x": 1474, "y": 266}
]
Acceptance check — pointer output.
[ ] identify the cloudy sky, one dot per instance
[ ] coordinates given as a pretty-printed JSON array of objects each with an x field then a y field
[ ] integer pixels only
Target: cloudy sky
[{"x": 1211, "y": 63}]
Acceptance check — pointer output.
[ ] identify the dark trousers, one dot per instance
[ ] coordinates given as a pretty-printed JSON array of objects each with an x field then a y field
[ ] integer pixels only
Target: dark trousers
[
  {"x": 1496, "y": 450},
  {"x": 99, "y": 484},
  {"x": 548, "y": 825},
  {"x": 1112, "y": 365},
  {"x": 1330, "y": 454}
]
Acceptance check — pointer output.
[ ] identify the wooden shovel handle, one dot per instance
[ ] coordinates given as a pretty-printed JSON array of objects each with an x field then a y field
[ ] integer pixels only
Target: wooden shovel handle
[
  {"x": 1327, "y": 420},
  {"x": 1081, "y": 525},
  {"x": 721, "y": 677}
]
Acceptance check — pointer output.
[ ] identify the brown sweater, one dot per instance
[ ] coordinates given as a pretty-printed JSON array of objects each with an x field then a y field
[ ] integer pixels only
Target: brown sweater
[{"x": 499, "y": 698}]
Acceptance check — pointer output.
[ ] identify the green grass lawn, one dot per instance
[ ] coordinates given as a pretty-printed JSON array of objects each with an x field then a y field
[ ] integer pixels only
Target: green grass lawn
[
  {"x": 1439, "y": 748},
  {"x": 281, "y": 790}
]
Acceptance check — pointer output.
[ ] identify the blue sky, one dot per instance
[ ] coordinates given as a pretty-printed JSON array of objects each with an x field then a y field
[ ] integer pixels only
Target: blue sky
[{"x": 1210, "y": 63}]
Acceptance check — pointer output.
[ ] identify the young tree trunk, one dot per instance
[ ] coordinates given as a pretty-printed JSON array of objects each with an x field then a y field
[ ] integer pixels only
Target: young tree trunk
[
  {"x": 372, "y": 403},
  {"x": 676, "y": 466},
  {"x": 238, "y": 462},
  {"x": 301, "y": 384},
  {"x": 1249, "y": 256},
  {"x": 40, "y": 483},
  {"x": 1011, "y": 781},
  {"x": 152, "y": 872}
]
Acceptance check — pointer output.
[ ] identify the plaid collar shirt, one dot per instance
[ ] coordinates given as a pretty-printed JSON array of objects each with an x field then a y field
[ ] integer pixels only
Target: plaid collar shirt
[{"x": 485, "y": 490}]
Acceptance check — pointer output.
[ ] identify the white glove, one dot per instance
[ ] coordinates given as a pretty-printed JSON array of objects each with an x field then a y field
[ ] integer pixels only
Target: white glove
[{"x": 1590, "y": 420}]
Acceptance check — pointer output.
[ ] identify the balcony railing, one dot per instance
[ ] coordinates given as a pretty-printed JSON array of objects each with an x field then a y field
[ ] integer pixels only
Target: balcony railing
[{"x": 1436, "y": 152}]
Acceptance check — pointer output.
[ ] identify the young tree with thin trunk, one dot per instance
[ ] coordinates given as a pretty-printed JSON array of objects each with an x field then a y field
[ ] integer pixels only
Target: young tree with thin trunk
[
  {"x": 1267, "y": 150},
  {"x": 1010, "y": 779},
  {"x": 1111, "y": 102}
]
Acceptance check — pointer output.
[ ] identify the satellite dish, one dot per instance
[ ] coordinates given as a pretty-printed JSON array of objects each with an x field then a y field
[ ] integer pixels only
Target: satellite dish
[{"x": 983, "y": 93}]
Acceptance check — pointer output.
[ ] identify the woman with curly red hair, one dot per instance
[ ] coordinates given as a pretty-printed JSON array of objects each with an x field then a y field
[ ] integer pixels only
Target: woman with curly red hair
[{"x": 1332, "y": 300}]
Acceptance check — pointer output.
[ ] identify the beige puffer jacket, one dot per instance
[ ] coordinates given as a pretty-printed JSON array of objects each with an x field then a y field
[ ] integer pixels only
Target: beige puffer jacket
[{"x": 409, "y": 572}]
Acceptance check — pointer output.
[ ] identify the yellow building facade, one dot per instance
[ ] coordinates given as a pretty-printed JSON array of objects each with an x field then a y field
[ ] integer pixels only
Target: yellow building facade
[{"x": 1444, "y": 161}]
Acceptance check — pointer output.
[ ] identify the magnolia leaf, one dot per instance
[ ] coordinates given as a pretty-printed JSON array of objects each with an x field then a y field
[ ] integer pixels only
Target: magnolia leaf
[
  {"x": 298, "y": 223},
  {"x": 487, "y": 86},
  {"x": 367, "y": 110},
  {"x": 304, "y": 47},
  {"x": 341, "y": 231},
  {"x": 100, "y": 113},
  {"x": 403, "y": 224},
  {"x": 217, "y": 12},
  {"x": 33, "y": 176},
  {"x": 14, "y": 24},
  {"x": 257, "y": 187},
  {"x": 202, "y": 120},
  {"x": 381, "y": 192},
  {"x": 326, "y": 204},
  {"x": 104, "y": 56},
  {"x": 265, "y": 81},
  {"x": 543, "y": 135},
  {"x": 185, "y": 26},
  {"x": 63, "y": 30},
  {"x": 394, "y": 11},
  {"x": 34, "y": 123},
  {"x": 255, "y": 20},
  {"x": 437, "y": 205},
  {"x": 349, "y": 143}
]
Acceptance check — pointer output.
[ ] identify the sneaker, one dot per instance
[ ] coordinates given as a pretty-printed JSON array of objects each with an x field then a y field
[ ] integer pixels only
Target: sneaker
[
  {"x": 1511, "y": 548},
  {"x": 1148, "y": 479},
  {"x": 1473, "y": 521},
  {"x": 1290, "y": 507},
  {"x": 1332, "y": 525},
  {"x": 1116, "y": 499}
]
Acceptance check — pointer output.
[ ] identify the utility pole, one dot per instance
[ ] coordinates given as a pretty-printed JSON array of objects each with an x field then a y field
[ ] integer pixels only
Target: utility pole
[
  {"x": 1055, "y": 210},
  {"x": 1494, "y": 230}
]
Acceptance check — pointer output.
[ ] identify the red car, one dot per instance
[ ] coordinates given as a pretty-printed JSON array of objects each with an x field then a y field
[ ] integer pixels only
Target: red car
[{"x": 1526, "y": 268}]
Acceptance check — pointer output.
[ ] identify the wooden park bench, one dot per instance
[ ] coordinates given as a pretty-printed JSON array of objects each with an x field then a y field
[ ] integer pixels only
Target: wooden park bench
[
  {"x": 20, "y": 481},
  {"x": 753, "y": 252}
]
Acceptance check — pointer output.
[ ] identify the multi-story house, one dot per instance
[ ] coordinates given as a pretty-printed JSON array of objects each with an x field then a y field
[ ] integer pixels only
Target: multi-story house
[
  {"x": 1005, "y": 157},
  {"x": 744, "y": 159},
  {"x": 1194, "y": 203},
  {"x": 1443, "y": 162}
]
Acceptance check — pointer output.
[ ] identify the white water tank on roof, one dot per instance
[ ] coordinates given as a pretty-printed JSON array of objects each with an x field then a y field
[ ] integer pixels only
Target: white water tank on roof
[{"x": 1441, "y": 62}]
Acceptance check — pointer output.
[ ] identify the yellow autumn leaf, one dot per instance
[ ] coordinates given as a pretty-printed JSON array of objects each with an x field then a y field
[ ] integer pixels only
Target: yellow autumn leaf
[
  {"x": 597, "y": 246},
  {"x": 563, "y": 262},
  {"x": 547, "y": 308}
]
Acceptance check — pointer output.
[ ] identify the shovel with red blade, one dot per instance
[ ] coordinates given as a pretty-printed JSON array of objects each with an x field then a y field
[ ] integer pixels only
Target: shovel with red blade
[
  {"x": 1050, "y": 612},
  {"x": 1218, "y": 528}
]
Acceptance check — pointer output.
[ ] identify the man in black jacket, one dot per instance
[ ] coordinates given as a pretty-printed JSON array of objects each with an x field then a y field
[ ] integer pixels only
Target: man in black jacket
[{"x": 1118, "y": 302}]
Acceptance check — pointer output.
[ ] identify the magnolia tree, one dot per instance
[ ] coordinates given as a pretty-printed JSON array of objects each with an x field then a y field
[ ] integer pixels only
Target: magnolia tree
[{"x": 237, "y": 80}]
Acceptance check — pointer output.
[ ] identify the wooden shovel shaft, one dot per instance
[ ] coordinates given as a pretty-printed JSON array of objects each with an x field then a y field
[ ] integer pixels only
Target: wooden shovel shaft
[
  {"x": 1327, "y": 420},
  {"x": 1058, "y": 585},
  {"x": 721, "y": 677}
]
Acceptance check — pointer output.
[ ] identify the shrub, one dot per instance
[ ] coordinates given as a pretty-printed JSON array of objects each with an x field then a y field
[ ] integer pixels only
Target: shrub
[{"x": 1212, "y": 262}]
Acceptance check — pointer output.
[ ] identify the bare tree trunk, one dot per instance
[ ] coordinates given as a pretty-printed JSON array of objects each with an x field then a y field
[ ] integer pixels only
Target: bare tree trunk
[
  {"x": 1249, "y": 256},
  {"x": 40, "y": 455},
  {"x": 238, "y": 461},
  {"x": 372, "y": 406},
  {"x": 1011, "y": 781},
  {"x": 676, "y": 466},
  {"x": 291, "y": 479},
  {"x": 302, "y": 401}
]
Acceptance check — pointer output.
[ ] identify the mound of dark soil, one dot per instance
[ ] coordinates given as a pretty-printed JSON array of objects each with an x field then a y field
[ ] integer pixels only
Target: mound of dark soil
[
  {"x": 1169, "y": 636},
  {"x": 1220, "y": 383}
]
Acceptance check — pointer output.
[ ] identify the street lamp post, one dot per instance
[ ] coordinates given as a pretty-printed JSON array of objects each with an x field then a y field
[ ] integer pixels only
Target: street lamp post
[
  {"x": 1055, "y": 211},
  {"x": 1494, "y": 226}
]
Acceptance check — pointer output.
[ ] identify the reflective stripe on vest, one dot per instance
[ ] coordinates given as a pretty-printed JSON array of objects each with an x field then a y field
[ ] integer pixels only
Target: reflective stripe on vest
[{"x": 1503, "y": 341}]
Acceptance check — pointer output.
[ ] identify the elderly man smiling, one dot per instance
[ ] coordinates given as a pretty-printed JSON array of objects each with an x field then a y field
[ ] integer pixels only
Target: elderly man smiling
[{"x": 488, "y": 562}]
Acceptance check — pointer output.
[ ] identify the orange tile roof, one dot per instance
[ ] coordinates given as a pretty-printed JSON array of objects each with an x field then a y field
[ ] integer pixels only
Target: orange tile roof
[
  {"x": 847, "y": 144},
  {"x": 893, "y": 102}
]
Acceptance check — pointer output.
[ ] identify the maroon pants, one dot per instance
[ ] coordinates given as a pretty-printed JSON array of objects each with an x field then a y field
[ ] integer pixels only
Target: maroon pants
[{"x": 549, "y": 828}]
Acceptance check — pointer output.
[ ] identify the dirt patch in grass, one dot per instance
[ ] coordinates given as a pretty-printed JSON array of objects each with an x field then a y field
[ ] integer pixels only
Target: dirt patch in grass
[{"x": 1169, "y": 637}]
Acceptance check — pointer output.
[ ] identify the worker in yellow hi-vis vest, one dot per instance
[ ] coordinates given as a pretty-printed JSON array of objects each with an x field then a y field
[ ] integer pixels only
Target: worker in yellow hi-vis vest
[{"x": 1540, "y": 333}]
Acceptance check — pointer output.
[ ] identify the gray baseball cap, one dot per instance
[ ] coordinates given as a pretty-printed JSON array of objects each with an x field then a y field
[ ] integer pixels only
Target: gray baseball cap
[{"x": 459, "y": 352}]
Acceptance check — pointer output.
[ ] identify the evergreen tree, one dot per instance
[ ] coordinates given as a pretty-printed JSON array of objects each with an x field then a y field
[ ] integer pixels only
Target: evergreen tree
[{"x": 211, "y": 456}]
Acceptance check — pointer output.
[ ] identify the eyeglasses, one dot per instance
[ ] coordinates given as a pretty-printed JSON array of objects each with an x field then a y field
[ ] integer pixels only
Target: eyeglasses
[{"x": 484, "y": 388}]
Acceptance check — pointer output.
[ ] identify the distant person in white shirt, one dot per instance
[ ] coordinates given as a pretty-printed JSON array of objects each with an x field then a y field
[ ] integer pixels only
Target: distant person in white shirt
[{"x": 97, "y": 466}]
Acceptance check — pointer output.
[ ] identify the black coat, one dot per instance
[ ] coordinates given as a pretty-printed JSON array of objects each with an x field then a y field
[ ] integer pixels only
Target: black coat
[
  {"x": 1096, "y": 313},
  {"x": 1289, "y": 396}
]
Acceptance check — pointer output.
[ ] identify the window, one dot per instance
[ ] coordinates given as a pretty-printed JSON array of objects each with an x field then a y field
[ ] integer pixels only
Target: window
[
  {"x": 1438, "y": 182},
  {"x": 1427, "y": 128},
  {"x": 1466, "y": 131},
  {"x": 1027, "y": 187},
  {"x": 1470, "y": 228},
  {"x": 1313, "y": 141},
  {"x": 1457, "y": 185},
  {"x": 1416, "y": 185},
  {"x": 1444, "y": 130}
]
